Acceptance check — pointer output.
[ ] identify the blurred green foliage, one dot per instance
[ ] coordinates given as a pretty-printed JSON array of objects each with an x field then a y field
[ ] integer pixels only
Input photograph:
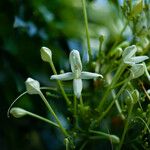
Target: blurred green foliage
[{"x": 25, "y": 26}]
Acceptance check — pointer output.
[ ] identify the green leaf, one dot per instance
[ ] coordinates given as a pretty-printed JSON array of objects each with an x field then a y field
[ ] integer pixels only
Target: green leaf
[{"x": 137, "y": 8}]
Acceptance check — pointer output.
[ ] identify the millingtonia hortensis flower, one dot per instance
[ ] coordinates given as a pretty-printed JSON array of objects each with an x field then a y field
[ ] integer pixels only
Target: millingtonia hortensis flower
[
  {"x": 77, "y": 74},
  {"x": 137, "y": 67},
  {"x": 130, "y": 58}
]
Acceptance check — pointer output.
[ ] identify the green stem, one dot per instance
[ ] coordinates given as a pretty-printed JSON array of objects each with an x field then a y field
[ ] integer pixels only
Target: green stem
[
  {"x": 86, "y": 28},
  {"x": 60, "y": 84},
  {"x": 118, "y": 39},
  {"x": 120, "y": 70},
  {"x": 53, "y": 113},
  {"x": 118, "y": 105},
  {"x": 75, "y": 105},
  {"x": 42, "y": 118},
  {"x": 83, "y": 145},
  {"x": 110, "y": 105},
  {"x": 146, "y": 124},
  {"x": 81, "y": 106},
  {"x": 81, "y": 101},
  {"x": 126, "y": 126},
  {"x": 67, "y": 143},
  {"x": 113, "y": 138},
  {"x": 75, "y": 111}
]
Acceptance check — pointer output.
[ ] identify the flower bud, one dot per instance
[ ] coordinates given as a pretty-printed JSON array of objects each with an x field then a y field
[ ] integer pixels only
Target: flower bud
[
  {"x": 32, "y": 86},
  {"x": 101, "y": 38},
  {"x": 46, "y": 54},
  {"x": 18, "y": 112},
  {"x": 135, "y": 95},
  {"x": 119, "y": 52}
]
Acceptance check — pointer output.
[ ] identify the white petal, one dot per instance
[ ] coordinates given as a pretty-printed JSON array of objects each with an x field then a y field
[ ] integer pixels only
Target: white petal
[
  {"x": 129, "y": 52},
  {"x": 63, "y": 77},
  {"x": 77, "y": 87},
  {"x": 139, "y": 59},
  {"x": 75, "y": 61},
  {"x": 89, "y": 75},
  {"x": 129, "y": 61},
  {"x": 137, "y": 70}
]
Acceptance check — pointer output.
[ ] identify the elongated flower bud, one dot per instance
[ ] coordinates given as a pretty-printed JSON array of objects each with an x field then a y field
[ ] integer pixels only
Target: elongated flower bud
[
  {"x": 18, "y": 112},
  {"x": 32, "y": 86},
  {"x": 75, "y": 61},
  {"x": 46, "y": 54}
]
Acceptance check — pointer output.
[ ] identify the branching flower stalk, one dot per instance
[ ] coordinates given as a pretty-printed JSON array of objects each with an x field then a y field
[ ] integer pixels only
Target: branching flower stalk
[
  {"x": 19, "y": 112},
  {"x": 117, "y": 103},
  {"x": 33, "y": 87},
  {"x": 112, "y": 138},
  {"x": 104, "y": 113},
  {"x": 53, "y": 113},
  {"x": 128, "y": 58},
  {"x": 127, "y": 122},
  {"x": 46, "y": 55},
  {"x": 138, "y": 68}
]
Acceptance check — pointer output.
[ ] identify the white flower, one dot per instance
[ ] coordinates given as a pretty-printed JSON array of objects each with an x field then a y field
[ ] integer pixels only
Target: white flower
[
  {"x": 130, "y": 58},
  {"x": 32, "y": 86},
  {"x": 77, "y": 74}
]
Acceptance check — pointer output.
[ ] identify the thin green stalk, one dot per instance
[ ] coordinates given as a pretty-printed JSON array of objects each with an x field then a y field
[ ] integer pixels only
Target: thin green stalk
[
  {"x": 81, "y": 101},
  {"x": 75, "y": 111},
  {"x": 42, "y": 118},
  {"x": 118, "y": 39},
  {"x": 67, "y": 143},
  {"x": 53, "y": 113},
  {"x": 100, "y": 53},
  {"x": 118, "y": 105},
  {"x": 86, "y": 28},
  {"x": 60, "y": 84},
  {"x": 111, "y": 104},
  {"x": 113, "y": 138},
  {"x": 126, "y": 126},
  {"x": 120, "y": 70},
  {"x": 75, "y": 105},
  {"x": 119, "y": 84},
  {"x": 83, "y": 145},
  {"x": 146, "y": 124},
  {"x": 81, "y": 106}
]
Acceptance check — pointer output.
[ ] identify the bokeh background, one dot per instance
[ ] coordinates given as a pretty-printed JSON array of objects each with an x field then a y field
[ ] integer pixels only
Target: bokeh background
[{"x": 26, "y": 26}]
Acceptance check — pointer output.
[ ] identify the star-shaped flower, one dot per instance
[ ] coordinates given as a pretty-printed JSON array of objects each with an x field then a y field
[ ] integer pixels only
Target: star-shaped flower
[
  {"x": 77, "y": 74},
  {"x": 130, "y": 58}
]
